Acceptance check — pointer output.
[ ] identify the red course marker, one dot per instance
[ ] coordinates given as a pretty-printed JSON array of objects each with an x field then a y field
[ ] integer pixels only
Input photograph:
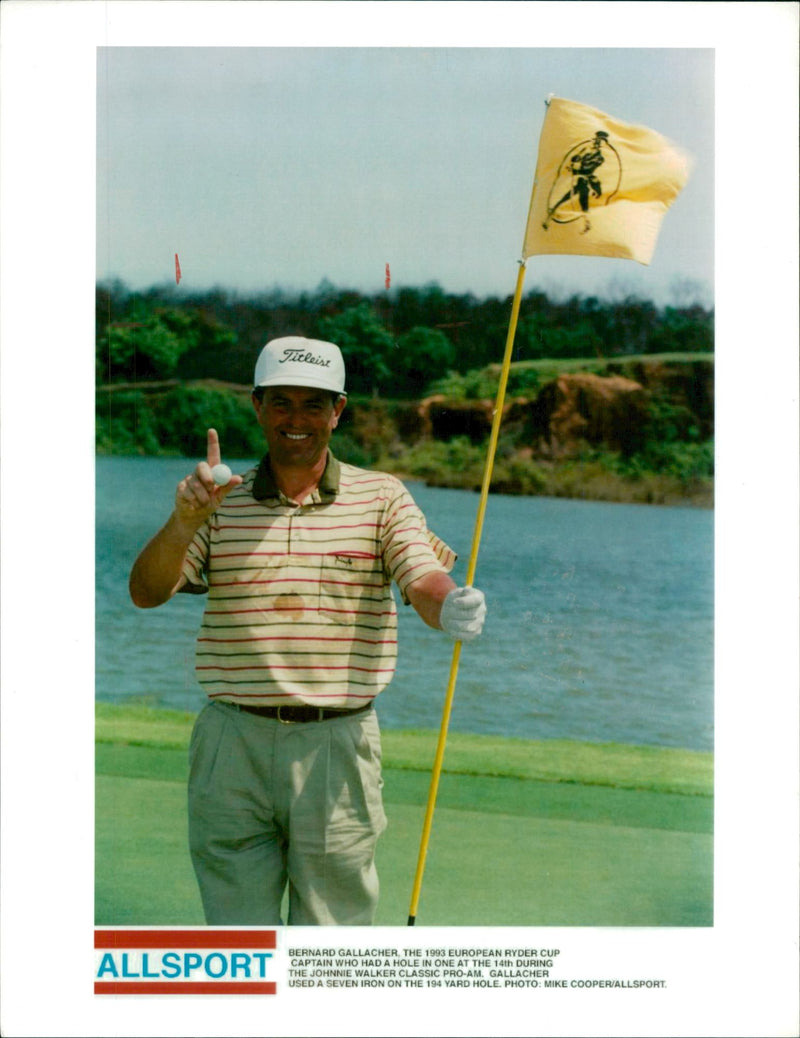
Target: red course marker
[{"x": 177, "y": 270}]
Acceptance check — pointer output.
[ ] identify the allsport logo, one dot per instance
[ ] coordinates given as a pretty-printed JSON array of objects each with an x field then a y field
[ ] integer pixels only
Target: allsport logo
[{"x": 184, "y": 962}]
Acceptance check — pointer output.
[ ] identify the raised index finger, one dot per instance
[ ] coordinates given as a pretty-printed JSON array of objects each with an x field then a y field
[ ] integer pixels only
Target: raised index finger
[{"x": 213, "y": 455}]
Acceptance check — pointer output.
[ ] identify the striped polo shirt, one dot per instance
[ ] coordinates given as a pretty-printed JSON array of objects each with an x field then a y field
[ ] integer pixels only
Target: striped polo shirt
[{"x": 300, "y": 606}]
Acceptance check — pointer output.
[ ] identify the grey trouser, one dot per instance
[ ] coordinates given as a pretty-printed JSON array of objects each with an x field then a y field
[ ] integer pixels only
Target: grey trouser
[{"x": 273, "y": 803}]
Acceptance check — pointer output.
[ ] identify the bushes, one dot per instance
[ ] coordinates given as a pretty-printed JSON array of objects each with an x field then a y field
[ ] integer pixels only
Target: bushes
[
  {"x": 348, "y": 449},
  {"x": 185, "y": 414},
  {"x": 673, "y": 465},
  {"x": 683, "y": 461},
  {"x": 519, "y": 475},
  {"x": 661, "y": 473},
  {"x": 526, "y": 377},
  {"x": 459, "y": 463},
  {"x": 125, "y": 424},
  {"x": 176, "y": 422},
  {"x": 456, "y": 463},
  {"x": 595, "y": 476}
]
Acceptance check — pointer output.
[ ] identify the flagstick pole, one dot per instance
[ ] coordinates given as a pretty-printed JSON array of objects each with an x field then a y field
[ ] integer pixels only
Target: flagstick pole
[{"x": 473, "y": 561}]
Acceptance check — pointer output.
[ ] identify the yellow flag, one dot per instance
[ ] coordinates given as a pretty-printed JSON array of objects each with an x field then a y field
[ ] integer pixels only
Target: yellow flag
[{"x": 602, "y": 187}]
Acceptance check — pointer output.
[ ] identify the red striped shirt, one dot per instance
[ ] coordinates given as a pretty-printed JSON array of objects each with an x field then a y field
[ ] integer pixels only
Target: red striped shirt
[{"x": 300, "y": 606}]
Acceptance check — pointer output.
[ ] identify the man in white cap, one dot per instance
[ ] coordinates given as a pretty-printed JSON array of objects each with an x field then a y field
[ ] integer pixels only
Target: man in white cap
[{"x": 299, "y": 635}]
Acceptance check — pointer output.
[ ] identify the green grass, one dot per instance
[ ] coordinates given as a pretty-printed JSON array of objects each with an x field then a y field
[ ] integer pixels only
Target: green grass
[
  {"x": 655, "y": 768},
  {"x": 549, "y": 833}
]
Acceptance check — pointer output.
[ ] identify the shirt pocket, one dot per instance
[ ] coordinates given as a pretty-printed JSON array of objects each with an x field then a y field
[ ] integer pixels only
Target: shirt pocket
[{"x": 354, "y": 590}]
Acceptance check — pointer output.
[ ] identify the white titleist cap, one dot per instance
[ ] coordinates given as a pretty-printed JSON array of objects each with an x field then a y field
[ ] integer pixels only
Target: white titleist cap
[{"x": 295, "y": 361}]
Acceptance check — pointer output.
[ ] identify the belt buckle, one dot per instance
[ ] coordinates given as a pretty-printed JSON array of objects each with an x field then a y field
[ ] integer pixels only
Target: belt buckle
[{"x": 285, "y": 720}]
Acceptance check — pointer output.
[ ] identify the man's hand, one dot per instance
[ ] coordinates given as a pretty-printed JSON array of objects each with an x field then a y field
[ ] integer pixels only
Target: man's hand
[
  {"x": 198, "y": 496},
  {"x": 463, "y": 613},
  {"x": 157, "y": 572}
]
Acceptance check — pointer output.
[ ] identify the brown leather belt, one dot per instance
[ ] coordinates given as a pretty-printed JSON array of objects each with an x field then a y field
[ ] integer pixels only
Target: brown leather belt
[{"x": 298, "y": 714}]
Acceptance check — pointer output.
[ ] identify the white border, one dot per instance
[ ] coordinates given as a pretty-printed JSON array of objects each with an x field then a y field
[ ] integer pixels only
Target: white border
[{"x": 737, "y": 979}]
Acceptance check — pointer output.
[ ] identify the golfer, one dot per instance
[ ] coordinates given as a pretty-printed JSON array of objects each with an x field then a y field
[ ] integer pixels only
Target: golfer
[{"x": 298, "y": 637}]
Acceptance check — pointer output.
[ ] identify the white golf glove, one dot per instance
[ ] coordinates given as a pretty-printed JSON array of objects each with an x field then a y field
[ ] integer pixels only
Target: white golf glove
[{"x": 463, "y": 613}]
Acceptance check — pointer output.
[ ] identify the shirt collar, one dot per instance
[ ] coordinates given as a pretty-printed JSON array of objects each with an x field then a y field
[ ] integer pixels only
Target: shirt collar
[{"x": 266, "y": 489}]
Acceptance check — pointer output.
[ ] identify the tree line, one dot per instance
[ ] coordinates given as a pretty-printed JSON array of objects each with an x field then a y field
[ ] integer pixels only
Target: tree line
[{"x": 396, "y": 343}]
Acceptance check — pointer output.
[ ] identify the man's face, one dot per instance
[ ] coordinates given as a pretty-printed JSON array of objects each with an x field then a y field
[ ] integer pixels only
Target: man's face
[{"x": 297, "y": 423}]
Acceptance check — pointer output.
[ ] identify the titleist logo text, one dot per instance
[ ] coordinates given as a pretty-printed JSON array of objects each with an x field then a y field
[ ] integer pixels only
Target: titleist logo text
[{"x": 303, "y": 358}]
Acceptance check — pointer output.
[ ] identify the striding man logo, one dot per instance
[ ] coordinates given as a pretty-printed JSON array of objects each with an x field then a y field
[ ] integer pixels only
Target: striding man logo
[{"x": 588, "y": 176}]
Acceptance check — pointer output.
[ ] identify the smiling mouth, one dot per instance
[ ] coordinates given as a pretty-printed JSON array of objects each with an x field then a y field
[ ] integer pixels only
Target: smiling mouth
[{"x": 297, "y": 436}]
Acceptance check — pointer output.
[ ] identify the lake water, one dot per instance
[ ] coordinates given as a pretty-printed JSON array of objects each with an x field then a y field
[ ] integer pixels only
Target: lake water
[{"x": 600, "y": 623}]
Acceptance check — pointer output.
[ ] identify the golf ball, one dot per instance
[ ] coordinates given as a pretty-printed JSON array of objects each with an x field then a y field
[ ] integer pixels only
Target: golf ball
[{"x": 221, "y": 475}]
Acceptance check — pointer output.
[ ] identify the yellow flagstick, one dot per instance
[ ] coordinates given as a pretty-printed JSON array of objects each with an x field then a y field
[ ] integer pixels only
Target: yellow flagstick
[
  {"x": 656, "y": 172},
  {"x": 473, "y": 561}
]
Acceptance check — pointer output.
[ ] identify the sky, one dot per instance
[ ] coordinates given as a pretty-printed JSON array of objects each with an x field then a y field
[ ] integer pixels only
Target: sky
[{"x": 284, "y": 166}]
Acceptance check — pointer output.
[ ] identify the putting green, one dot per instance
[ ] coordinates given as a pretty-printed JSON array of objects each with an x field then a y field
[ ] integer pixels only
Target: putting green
[{"x": 525, "y": 833}]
